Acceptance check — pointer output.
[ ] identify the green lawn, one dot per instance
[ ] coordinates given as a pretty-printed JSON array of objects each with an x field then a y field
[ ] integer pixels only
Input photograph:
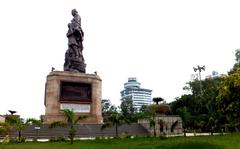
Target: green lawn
[{"x": 200, "y": 142}]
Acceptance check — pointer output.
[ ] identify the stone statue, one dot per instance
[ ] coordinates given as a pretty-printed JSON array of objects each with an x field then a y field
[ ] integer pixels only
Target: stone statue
[{"x": 74, "y": 60}]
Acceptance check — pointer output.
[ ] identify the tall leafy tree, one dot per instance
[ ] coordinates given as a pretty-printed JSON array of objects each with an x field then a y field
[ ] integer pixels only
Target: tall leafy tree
[
  {"x": 219, "y": 103},
  {"x": 200, "y": 106},
  {"x": 228, "y": 100},
  {"x": 185, "y": 115},
  {"x": 237, "y": 63},
  {"x": 128, "y": 111},
  {"x": 106, "y": 105}
]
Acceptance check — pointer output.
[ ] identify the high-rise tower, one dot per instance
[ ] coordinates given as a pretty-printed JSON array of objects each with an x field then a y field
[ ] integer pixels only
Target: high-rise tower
[{"x": 140, "y": 96}]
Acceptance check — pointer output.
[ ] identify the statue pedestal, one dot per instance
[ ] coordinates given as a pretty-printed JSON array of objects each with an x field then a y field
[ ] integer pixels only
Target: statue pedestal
[{"x": 76, "y": 91}]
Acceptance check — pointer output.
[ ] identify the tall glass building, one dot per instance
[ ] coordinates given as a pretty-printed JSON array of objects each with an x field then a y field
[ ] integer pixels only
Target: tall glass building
[{"x": 139, "y": 96}]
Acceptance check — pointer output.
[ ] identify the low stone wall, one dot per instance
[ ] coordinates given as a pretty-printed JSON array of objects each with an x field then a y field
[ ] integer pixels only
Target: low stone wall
[{"x": 83, "y": 131}]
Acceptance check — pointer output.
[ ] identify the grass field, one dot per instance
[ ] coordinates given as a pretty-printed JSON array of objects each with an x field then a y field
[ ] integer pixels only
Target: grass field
[{"x": 199, "y": 142}]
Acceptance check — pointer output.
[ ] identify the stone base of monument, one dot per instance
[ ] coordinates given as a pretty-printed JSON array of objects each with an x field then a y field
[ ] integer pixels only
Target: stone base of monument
[{"x": 76, "y": 91}]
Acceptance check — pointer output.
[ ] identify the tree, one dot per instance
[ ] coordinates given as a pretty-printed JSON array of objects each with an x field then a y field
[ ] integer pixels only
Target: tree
[
  {"x": 190, "y": 104},
  {"x": 228, "y": 99},
  {"x": 185, "y": 115},
  {"x": 128, "y": 111},
  {"x": 149, "y": 113},
  {"x": 143, "y": 108},
  {"x": 218, "y": 105},
  {"x": 211, "y": 123},
  {"x": 114, "y": 118},
  {"x": 106, "y": 104},
  {"x": 19, "y": 124},
  {"x": 183, "y": 101},
  {"x": 200, "y": 106},
  {"x": 71, "y": 120},
  {"x": 157, "y": 100},
  {"x": 4, "y": 129},
  {"x": 237, "y": 63}
]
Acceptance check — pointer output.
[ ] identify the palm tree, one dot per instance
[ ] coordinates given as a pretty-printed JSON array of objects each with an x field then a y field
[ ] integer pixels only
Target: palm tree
[
  {"x": 114, "y": 118},
  {"x": 157, "y": 100},
  {"x": 19, "y": 125},
  {"x": 71, "y": 120},
  {"x": 12, "y": 112}
]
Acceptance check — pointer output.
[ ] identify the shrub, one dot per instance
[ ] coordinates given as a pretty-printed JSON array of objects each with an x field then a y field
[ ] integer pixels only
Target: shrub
[
  {"x": 58, "y": 139},
  {"x": 163, "y": 136}
]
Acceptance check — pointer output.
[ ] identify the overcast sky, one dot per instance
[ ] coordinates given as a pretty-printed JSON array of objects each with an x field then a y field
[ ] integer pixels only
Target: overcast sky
[{"x": 156, "y": 41}]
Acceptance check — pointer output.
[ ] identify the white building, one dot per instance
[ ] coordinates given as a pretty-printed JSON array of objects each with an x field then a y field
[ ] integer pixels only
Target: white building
[{"x": 139, "y": 96}]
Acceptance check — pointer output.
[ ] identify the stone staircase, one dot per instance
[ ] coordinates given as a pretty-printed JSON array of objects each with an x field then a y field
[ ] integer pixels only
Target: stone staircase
[{"x": 83, "y": 131}]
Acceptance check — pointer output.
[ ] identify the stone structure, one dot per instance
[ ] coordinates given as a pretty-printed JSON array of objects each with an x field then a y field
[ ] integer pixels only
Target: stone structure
[
  {"x": 168, "y": 124},
  {"x": 72, "y": 88},
  {"x": 2, "y": 119},
  {"x": 75, "y": 91},
  {"x": 74, "y": 60}
]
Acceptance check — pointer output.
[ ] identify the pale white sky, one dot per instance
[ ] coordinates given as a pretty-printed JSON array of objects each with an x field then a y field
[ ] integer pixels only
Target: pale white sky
[{"x": 156, "y": 41}]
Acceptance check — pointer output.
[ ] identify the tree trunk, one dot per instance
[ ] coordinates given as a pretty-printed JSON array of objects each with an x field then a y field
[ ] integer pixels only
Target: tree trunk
[
  {"x": 19, "y": 136},
  {"x": 184, "y": 132},
  {"x": 72, "y": 133},
  {"x": 116, "y": 126},
  {"x": 211, "y": 130},
  {"x": 154, "y": 130}
]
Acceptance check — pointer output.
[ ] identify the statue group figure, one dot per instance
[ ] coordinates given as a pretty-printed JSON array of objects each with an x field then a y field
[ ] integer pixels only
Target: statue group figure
[{"x": 74, "y": 60}]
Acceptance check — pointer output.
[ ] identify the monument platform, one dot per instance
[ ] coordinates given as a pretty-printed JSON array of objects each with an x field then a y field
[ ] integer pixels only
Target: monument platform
[{"x": 76, "y": 91}]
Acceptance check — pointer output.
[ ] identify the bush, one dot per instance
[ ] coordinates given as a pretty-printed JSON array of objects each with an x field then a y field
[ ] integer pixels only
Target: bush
[
  {"x": 18, "y": 140},
  {"x": 21, "y": 140},
  {"x": 163, "y": 136},
  {"x": 99, "y": 138},
  {"x": 34, "y": 139},
  {"x": 5, "y": 141},
  {"x": 58, "y": 139}
]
